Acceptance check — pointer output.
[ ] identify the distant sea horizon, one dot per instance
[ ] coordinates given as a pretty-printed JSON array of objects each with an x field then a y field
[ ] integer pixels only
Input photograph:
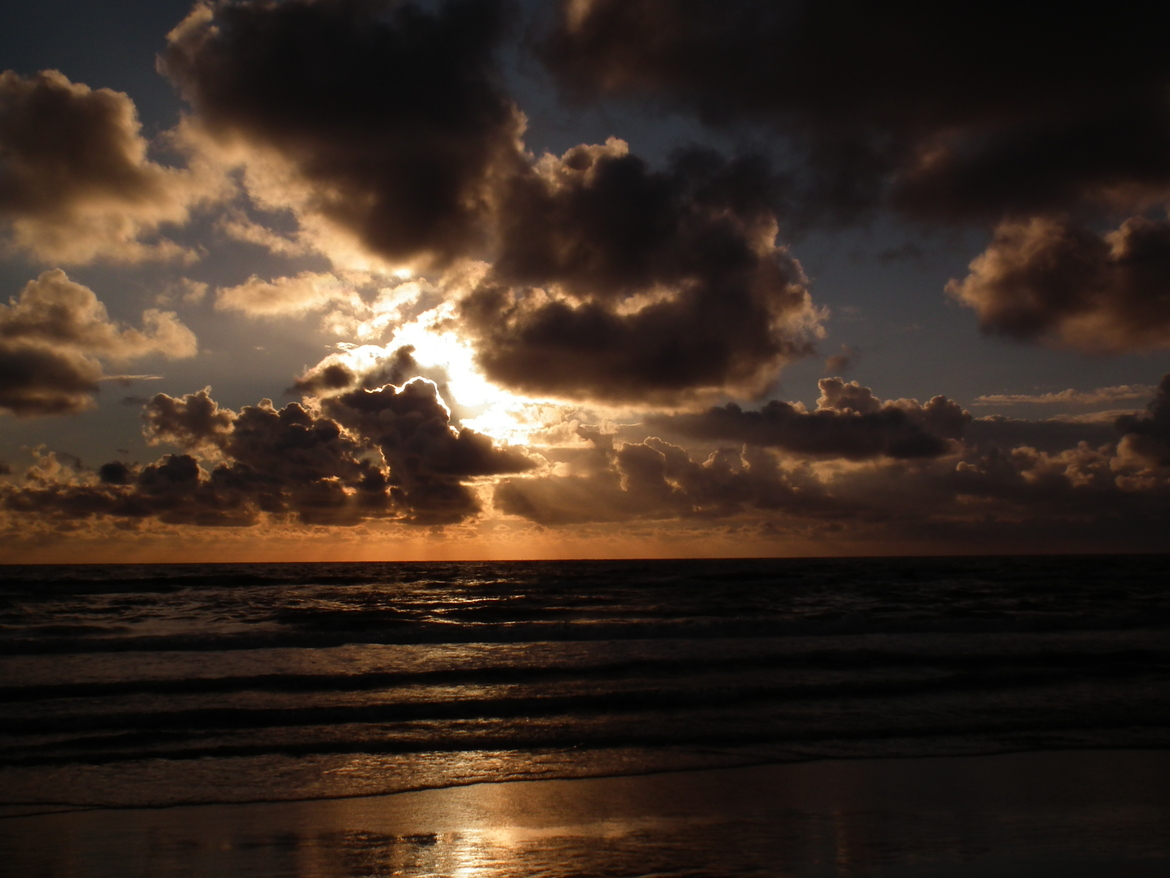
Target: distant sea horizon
[{"x": 471, "y": 559}]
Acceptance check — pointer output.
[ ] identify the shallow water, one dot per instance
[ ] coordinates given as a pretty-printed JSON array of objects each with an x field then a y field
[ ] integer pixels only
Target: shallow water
[{"x": 1073, "y": 814}]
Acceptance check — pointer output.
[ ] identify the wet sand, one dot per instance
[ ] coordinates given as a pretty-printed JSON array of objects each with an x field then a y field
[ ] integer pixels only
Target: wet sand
[{"x": 1072, "y": 814}]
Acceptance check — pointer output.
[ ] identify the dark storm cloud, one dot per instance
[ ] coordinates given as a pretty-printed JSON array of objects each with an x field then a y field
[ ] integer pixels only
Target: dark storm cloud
[
  {"x": 1027, "y": 498},
  {"x": 189, "y": 421},
  {"x": 428, "y": 460},
  {"x": 874, "y": 470},
  {"x": 1059, "y": 282},
  {"x": 1080, "y": 498},
  {"x": 75, "y": 181},
  {"x": 333, "y": 376},
  {"x": 286, "y": 446},
  {"x": 284, "y": 462},
  {"x": 1148, "y": 436},
  {"x": 949, "y": 111},
  {"x": 43, "y": 381},
  {"x": 325, "y": 378},
  {"x": 386, "y": 453},
  {"x": 115, "y": 473},
  {"x": 609, "y": 280},
  {"x": 655, "y": 480},
  {"x": 391, "y": 114},
  {"x": 850, "y": 422},
  {"x": 1051, "y": 435},
  {"x": 292, "y": 446},
  {"x": 617, "y": 282},
  {"x": 600, "y": 222},
  {"x": 172, "y": 490},
  {"x": 53, "y": 337}
]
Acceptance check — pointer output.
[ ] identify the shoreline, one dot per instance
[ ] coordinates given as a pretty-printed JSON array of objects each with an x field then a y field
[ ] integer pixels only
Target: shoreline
[
  {"x": 52, "y": 808},
  {"x": 891, "y": 817}
]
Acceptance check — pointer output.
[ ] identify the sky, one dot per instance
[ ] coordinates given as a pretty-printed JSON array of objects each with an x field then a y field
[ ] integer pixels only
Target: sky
[{"x": 480, "y": 279}]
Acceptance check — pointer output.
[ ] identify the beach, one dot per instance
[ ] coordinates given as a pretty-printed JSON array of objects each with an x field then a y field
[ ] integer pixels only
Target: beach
[{"x": 1082, "y": 813}]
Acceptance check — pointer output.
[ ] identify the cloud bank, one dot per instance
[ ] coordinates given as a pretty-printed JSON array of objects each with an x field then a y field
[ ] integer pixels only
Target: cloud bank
[{"x": 1011, "y": 118}]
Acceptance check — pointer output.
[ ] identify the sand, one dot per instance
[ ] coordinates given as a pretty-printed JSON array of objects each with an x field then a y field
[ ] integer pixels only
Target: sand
[{"x": 1071, "y": 814}]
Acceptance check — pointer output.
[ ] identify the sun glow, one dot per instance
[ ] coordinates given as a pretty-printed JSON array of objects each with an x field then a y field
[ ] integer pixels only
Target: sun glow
[
  {"x": 437, "y": 345},
  {"x": 411, "y": 314},
  {"x": 494, "y": 411}
]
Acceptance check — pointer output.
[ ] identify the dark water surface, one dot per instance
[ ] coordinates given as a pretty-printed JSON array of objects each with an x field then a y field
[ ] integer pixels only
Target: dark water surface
[{"x": 194, "y": 684}]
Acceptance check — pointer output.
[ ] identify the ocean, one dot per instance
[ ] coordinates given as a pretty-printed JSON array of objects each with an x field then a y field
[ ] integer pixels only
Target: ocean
[
  {"x": 161, "y": 685},
  {"x": 150, "y": 686}
]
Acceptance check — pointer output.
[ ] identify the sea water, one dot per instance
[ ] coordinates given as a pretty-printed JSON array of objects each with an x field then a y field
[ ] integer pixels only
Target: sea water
[{"x": 163, "y": 685}]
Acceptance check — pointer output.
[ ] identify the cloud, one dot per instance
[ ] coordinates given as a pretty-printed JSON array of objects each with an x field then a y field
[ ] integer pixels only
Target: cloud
[
  {"x": 607, "y": 280},
  {"x": 277, "y": 461},
  {"x": 1147, "y": 437},
  {"x": 384, "y": 121},
  {"x": 307, "y": 291},
  {"x": 391, "y": 454},
  {"x": 842, "y": 361},
  {"x": 235, "y": 224},
  {"x": 1019, "y": 497},
  {"x": 53, "y": 310},
  {"x": 429, "y": 461},
  {"x": 600, "y": 267},
  {"x": 1051, "y": 435},
  {"x": 1013, "y": 117},
  {"x": 41, "y": 381},
  {"x": 115, "y": 473},
  {"x": 655, "y": 480},
  {"x": 1100, "y": 396},
  {"x": 174, "y": 490},
  {"x": 388, "y": 453},
  {"x": 54, "y": 337},
  {"x": 330, "y": 375},
  {"x": 616, "y": 282},
  {"x": 1013, "y": 483},
  {"x": 191, "y": 421},
  {"x": 76, "y": 185},
  {"x": 850, "y": 422},
  {"x": 1058, "y": 282},
  {"x": 370, "y": 368}
]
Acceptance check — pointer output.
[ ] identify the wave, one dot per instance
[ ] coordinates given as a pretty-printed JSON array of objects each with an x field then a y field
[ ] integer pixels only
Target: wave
[
  {"x": 1011, "y": 663},
  {"x": 64, "y": 639}
]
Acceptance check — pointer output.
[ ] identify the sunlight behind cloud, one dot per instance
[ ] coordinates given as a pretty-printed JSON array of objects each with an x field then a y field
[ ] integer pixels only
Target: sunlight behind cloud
[
  {"x": 437, "y": 347},
  {"x": 436, "y": 344}
]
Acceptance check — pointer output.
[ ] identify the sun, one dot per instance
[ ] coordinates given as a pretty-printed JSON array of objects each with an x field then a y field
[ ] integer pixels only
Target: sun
[{"x": 496, "y": 412}]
